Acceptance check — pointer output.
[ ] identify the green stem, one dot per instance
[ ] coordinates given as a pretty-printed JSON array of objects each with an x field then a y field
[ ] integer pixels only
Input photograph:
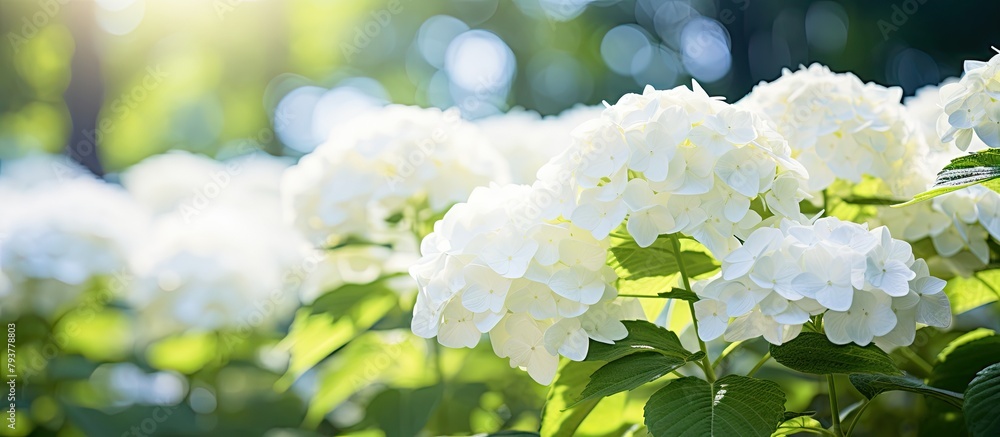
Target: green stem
[
  {"x": 760, "y": 364},
  {"x": 732, "y": 346},
  {"x": 925, "y": 368},
  {"x": 858, "y": 200},
  {"x": 438, "y": 363},
  {"x": 857, "y": 417},
  {"x": 834, "y": 408},
  {"x": 706, "y": 365},
  {"x": 643, "y": 296}
]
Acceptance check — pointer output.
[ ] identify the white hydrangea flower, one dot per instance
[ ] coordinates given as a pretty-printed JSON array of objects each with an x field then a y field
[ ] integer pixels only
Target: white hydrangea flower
[
  {"x": 951, "y": 221},
  {"x": 866, "y": 284},
  {"x": 528, "y": 140},
  {"x": 540, "y": 288},
  {"x": 925, "y": 108},
  {"x": 163, "y": 182},
  {"x": 382, "y": 162},
  {"x": 971, "y": 107},
  {"x": 188, "y": 185},
  {"x": 200, "y": 270},
  {"x": 33, "y": 170},
  {"x": 841, "y": 128},
  {"x": 674, "y": 161},
  {"x": 59, "y": 241},
  {"x": 226, "y": 270}
]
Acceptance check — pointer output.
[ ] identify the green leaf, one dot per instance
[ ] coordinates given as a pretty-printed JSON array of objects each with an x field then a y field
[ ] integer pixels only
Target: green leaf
[
  {"x": 680, "y": 294},
  {"x": 797, "y": 425},
  {"x": 318, "y": 331},
  {"x": 341, "y": 301},
  {"x": 982, "y": 403},
  {"x": 975, "y": 168},
  {"x": 513, "y": 433},
  {"x": 871, "y": 385},
  {"x": 812, "y": 352},
  {"x": 642, "y": 337},
  {"x": 403, "y": 412},
  {"x": 558, "y": 420},
  {"x": 964, "y": 357},
  {"x": 961, "y": 340},
  {"x": 956, "y": 366},
  {"x": 969, "y": 293},
  {"x": 628, "y": 373},
  {"x": 733, "y": 405},
  {"x": 362, "y": 362},
  {"x": 632, "y": 262},
  {"x": 186, "y": 353}
]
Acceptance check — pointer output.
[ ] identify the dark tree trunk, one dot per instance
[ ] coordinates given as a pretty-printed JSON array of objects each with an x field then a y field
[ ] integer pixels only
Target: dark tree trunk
[{"x": 85, "y": 94}]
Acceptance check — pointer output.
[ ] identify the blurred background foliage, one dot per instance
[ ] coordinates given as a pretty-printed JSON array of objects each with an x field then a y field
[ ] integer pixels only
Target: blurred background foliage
[{"x": 110, "y": 82}]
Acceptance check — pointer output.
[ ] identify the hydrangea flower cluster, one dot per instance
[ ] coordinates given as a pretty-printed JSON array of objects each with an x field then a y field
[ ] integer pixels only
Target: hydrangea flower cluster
[
  {"x": 48, "y": 257},
  {"x": 866, "y": 284},
  {"x": 957, "y": 221},
  {"x": 674, "y": 161},
  {"x": 971, "y": 105},
  {"x": 540, "y": 288},
  {"x": 189, "y": 185},
  {"x": 528, "y": 140},
  {"x": 841, "y": 128},
  {"x": 383, "y": 161},
  {"x": 208, "y": 275},
  {"x": 197, "y": 269},
  {"x": 33, "y": 170}
]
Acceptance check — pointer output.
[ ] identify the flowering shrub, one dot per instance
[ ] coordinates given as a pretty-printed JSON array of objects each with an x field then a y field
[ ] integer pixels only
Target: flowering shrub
[
  {"x": 674, "y": 161},
  {"x": 866, "y": 285},
  {"x": 659, "y": 175},
  {"x": 540, "y": 288},
  {"x": 960, "y": 221},
  {"x": 383, "y": 164},
  {"x": 207, "y": 276},
  {"x": 649, "y": 255},
  {"x": 48, "y": 258},
  {"x": 970, "y": 105},
  {"x": 531, "y": 139},
  {"x": 841, "y": 128}
]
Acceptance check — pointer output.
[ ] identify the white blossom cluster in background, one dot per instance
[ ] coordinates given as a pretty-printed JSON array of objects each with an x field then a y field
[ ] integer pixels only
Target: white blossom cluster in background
[
  {"x": 971, "y": 105},
  {"x": 674, "y": 161},
  {"x": 528, "y": 140},
  {"x": 957, "y": 221},
  {"x": 841, "y": 128},
  {"x": 222, "y": 271},
  {"x": 381, "y": 164},
  {"x": 189, "y": 242},
  {"x": 69, "y": 233},
  {"x": 866, "y": 284},
  {"x": 219, "y": 255},
  {"x": 540, "y": 288},
  {"x": 188, "y": 185}
]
